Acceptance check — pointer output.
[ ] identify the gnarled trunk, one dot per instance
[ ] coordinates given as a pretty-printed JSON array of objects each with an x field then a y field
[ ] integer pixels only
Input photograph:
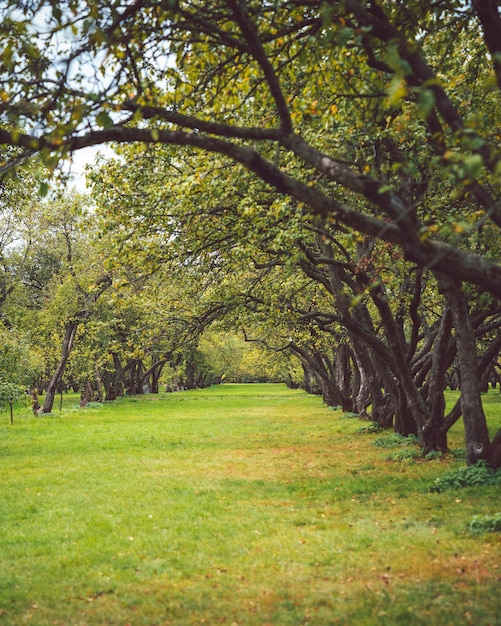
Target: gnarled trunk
[
  {"x": 69, "y": 338},
  {"x": 475, "y": 424},
  {"x": 433, "y": 435}
]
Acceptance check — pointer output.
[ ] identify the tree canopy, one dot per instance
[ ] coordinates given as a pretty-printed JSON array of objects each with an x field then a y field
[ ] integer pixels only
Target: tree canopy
[{"x": 382, "y": 116}]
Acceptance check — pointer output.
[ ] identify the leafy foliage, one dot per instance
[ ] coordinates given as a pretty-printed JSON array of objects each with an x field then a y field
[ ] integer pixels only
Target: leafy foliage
[
  {"x": 395, "y": 440},
  {"x": 485, "y": 523},
  {"x": 433, "y": 455},
  {"x": 407, "y": 447},
  {"x": 403, "y": 454},
  {"x": 373, "y": 427},
  {"x": 279, "y": 92},
  {"x": 469, "y": 476},
  {"x": 10, "y": 393}
]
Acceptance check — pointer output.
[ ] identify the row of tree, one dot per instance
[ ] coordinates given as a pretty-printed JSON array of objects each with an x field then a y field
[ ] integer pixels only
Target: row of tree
[
  {"x": 71, "y": 319},
  {"x": 324, "y": 176},
  {"x": 375, "y": 334}
]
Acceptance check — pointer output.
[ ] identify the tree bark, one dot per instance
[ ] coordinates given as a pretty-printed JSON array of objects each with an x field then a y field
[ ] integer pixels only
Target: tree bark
[
  {"x": 86, "y": 395},
  {"x": 35, "y": 404}
]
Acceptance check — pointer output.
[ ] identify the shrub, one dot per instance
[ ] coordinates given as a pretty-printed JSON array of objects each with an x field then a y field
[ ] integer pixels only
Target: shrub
[
  {"x": 395, "y": 441},
  {"x": 403, "y": 454},
  {"x": 467, "y": 476},
  {"x": 485, "y": 523},
  {"x": 433, "y": 455},
  {"x": 10, "y": 393},
  {"x": 372, "y": 427}
]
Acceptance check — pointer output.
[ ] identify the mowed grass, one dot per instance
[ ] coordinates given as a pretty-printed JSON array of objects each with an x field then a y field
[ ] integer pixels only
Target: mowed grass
[{"x": 238, "y": 504}]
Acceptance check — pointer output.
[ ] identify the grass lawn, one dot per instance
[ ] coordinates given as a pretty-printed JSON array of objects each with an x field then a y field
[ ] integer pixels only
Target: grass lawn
[{"x": 238, "y": 504}]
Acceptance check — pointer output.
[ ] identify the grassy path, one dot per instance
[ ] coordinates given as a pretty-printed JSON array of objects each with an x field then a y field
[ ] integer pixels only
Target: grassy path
[{"x": 240, "y": 504}]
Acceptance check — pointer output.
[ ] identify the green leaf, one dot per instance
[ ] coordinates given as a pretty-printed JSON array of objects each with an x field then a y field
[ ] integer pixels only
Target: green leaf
[
  {"x": 384, "y": 189},
  {"x": 474, "y": 164},
  {"x": 104, "y": 120},
  {"x": 426, "y": 102}
]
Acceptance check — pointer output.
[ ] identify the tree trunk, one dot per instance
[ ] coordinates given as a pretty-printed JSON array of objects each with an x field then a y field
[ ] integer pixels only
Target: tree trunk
[
  {"x": 411, "y": 405},
  {"x": 86, "y": 394},
  {"x": 475, "y": 424},
  {"x": 494, "y": 452},
  {"x": 314, "y": 363},
  {"x": 363, "y": 341},
  {"x": 69, "y": 338},
  {"x": 153, "y": 374},
  {"x": 108, "y": 380},
  {"x": 343, "y": 372},
  {"x": 372, "y": 373},
  {"x": 433, "y": 435},
  {"x": 155, "y": 378},
  {"x": 309, "y": 384},
  {"x": 118, "y": 384},
  {"x": 35, "y": 404},
  {"x": 135, "y": 382},
  {"x": 331, "y": 393}
]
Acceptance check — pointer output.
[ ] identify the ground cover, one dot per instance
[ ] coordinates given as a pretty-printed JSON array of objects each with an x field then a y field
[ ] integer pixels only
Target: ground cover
[{"x": 238, "y": 504}]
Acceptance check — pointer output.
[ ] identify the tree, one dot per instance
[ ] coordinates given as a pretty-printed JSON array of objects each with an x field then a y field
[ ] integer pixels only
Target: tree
[
  {"x": 18, "y": 200},
  {"x": 20, "y": 364},
  {"x": 238, "y": 361},
  {"x": 369, "y": 338},
  {"x": 10, "y": 393},
  {"x": 260, "y": 256},
  {"x": 61, "y": 279}
]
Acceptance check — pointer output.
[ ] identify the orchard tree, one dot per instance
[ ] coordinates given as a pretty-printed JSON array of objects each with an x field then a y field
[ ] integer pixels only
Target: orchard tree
[
  {"x": 61, "y": 280},
  {"x": 18, "y": 201},
  {"x": 239, "y": 361},
  {"x": 158, "y": 306},
  {"x": 10, "y": 393},
  {"x": 20, "y": 364}
]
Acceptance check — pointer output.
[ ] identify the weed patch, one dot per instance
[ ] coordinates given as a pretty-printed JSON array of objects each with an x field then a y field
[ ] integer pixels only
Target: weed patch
[
  {"x": 372, "y": 427},
  {"x": 394, "y": 440},
  {"x": 485, "y": 523},
  {"x": 404, "y": 454},
  {"x": 468, "y": 476},
  {"x": 350, "y": 415}
]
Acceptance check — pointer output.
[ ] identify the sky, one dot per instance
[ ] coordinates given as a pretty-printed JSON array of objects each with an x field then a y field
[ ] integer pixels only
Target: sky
[{"x": 81, "y": 158}]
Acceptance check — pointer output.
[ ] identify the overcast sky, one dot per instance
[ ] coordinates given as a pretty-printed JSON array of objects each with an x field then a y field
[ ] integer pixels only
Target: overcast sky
[{"x": 81, "y": 158}]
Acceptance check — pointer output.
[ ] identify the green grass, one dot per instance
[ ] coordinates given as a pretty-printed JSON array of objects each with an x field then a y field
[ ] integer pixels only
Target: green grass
[{"x": 239, "y": 504}]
